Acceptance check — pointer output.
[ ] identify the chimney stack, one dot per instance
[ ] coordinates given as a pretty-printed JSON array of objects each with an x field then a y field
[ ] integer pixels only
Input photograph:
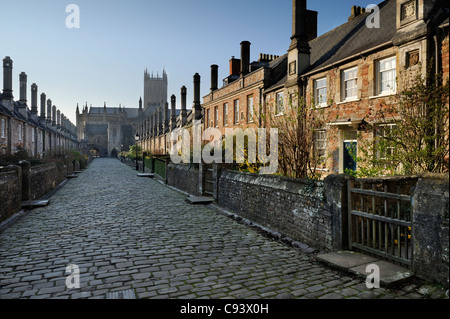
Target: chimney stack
[
  {"x": 7, "y": 95},
  {"x": 43, "y": 101},
  {"x": 183, "y": 106},
  {"x": 173, "y": 115},
  {"x": 53, "y": 115},
  {"x": 245, "y": 57},
  {"x": 58, "y": 119},
  {"x": 197, "y": 108},
  {"x": 235, "y": 66},
  {"x": 214, "y": 77},
  {"x": 49, "y": 111},
  {"x": 34, "y": 102},
  {"x": 23, "y": 89},
  {"x": 299, "y": 55}
]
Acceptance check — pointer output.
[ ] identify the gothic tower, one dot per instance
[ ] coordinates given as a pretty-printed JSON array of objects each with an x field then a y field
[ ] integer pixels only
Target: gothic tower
[{"x": 155, "y": 91}]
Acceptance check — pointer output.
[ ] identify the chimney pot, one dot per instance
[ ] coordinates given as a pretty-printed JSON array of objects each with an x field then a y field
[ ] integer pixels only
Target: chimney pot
[
  {"x": 245, "y": 57},
  {"x": 214, "y": 77}
]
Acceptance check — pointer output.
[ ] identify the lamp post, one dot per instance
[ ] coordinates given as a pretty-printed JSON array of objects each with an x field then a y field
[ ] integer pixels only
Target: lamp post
[{"x": 137, "y": 140}]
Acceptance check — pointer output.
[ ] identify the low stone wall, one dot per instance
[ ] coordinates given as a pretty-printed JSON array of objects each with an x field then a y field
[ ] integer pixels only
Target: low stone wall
[
  {"x": 44, "y": 178},
  {"x": 183, "y": 177},
  {"x": 23, "y": 183},
  {"x": 306, "y": 211},
  {"x": 10, "y": 192},
  {"x": 431, "y": 228}
]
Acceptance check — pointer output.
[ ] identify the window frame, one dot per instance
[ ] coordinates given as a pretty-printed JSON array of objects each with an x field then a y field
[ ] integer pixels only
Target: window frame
[
  {"x": 216, "y": 116},
  {"x": 344, "y": 90},
  {"x": 317, "y": 149},
  {"x": 236, "y": 111},
  {"x": 225, "y": 114},
  {"x": 3, "y": 128},
  {"x": 379, "y": 86},
  {"x": 250, "y": 111},
  {"x": 316, "y": 93},
  {"x": 279, "y": 107}
]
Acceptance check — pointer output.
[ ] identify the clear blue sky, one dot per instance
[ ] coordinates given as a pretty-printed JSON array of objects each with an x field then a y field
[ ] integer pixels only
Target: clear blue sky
[{"x": 104, "y": 60}]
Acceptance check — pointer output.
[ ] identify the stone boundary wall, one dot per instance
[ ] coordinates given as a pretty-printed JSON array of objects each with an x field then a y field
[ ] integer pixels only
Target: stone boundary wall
[
  {"x": 44, "y": 178},
  {"x": 302, "y": 210},
  {"x": 10, "y": 193},
  {"x": 431, "y": 228},
  {"x": 23, "y": 183},
  {"x": 184, "y": 177}
]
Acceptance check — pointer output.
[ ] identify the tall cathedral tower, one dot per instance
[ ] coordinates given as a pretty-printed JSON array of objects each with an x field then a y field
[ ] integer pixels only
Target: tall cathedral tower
[{"x": 155, "y": 91}]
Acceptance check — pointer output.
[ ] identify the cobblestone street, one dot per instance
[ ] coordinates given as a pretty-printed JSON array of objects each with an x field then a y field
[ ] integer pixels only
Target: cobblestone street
[{"x": 130, "y": 233}]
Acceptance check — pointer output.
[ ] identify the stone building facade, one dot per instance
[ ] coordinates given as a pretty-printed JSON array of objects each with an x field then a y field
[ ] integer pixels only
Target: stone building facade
[
  {"x": 106, "y": 131},
  {"x": 22, "y": 128},
  {"x": 347, "y": 72}
]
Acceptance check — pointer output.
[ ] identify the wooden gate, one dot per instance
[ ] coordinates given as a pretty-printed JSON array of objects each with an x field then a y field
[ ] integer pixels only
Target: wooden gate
[{"x": 380, "y": 222}]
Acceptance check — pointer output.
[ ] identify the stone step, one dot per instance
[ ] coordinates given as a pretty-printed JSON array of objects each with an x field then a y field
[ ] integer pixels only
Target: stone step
[
  {"x": 35, "y": 203},
  {"x": 356, "y": 263},
  {"x": 199, "y": 200}
]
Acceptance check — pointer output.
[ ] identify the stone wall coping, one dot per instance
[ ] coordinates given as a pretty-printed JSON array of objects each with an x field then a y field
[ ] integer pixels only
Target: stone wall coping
[{"x": 310, "y": 188}]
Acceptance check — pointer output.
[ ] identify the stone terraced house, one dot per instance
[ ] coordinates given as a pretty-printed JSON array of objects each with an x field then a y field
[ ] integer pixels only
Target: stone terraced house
[
  {"x": 22, "y": 128},
  {"x": 347, "y": 72}
]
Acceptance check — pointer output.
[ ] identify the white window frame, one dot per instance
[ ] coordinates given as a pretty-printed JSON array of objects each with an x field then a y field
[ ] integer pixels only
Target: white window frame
[
  {"x": 20, "y": 132},
  {"x": 381, "y": 71},
  {"x": 344, "y": 82},
  {"x": 318, "y": 138},
  {"x": 3, "y": 129},
  {"x": 236, "y": 111},
  {"x": 380, "y": 133},
  {"x": 250, "y": 108},
  {"x": 320, "y": 99},
  {"x": 279, "y": 103},
  {"x": 225, "y": 114},
  {"x": 216, "y": 116}
]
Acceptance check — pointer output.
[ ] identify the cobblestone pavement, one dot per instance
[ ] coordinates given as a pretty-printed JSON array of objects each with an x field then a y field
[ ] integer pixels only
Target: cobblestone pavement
[{"x": 125, "y": 232}]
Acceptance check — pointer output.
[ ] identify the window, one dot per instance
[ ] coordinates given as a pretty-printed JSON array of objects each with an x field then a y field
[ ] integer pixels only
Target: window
[
  {"x": 216, "y": 116},
  {"x": 3, "y": 129},
  {"x": 20, "y": 132},
  {"x": 236, "y": 112},
  {"x": 280, "y": 103},
  {"x": 320, "y": 146},
  {"x": 387, "y": 76},
  {"x": 350, "y": 84},
  {"x": 32, "y": 135},
  {"x": 385, "y": 149},
  {"x": 225, "y": 114},
  {"x": 320, "y": 92},
  {"x": 207, "y": 118},
  {"x": 250, "y": 110}
]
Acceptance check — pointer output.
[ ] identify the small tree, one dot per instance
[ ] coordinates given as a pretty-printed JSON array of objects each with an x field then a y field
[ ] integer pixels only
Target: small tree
[
  {"x": 297, "y": 126},
  {"x": 411, "y": 135}
]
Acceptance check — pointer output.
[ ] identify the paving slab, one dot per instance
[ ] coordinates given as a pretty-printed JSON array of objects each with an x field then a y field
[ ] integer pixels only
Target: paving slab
[
  {"x": 356, "y": 263},
  {"x": 345, "y": 260},
  {"x": 199, "y": 200},
  {"x": 390, "y": 274}
]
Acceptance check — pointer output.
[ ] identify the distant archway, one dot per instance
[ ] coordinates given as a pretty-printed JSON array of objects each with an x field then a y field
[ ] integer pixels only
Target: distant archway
[
  {"x": 114, "y": 153},
  {"x": 95, "y": 152}
]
